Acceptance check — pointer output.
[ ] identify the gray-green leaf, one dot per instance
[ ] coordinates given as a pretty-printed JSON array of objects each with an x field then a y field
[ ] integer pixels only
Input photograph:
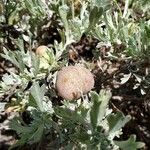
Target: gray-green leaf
[
  {"x": 95, "y": 14},
  {"x": 98, "y": 110},
  {"x": 130, "y": 144},
  {"x": 38, "y": 94},
  {"x": 117, "y": 121}
]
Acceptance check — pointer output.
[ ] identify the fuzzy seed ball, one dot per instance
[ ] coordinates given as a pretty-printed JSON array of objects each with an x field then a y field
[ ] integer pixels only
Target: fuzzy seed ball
[
  {"x": 73, "y": 81},
  {"x": 87, "y": 78},
  {"x": 41, "y": 50}
]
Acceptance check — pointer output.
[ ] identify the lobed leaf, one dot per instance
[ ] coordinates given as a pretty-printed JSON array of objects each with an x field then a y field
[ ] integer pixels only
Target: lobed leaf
[
  {"x": 38, "y": 94},
  {"x": 130, "y": 144}
]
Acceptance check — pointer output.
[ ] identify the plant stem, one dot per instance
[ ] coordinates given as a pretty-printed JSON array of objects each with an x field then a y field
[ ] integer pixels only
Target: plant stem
[{"x": 126, "y": 8}]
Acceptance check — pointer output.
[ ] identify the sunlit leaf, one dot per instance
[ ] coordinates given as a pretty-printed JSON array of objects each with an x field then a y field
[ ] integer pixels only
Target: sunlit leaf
[
  {"x": 117, "y": 121},
  {"x": 99, "y": 106},
  {"x": 130, "y": 144},
  {"x": 38, "y": 93}
]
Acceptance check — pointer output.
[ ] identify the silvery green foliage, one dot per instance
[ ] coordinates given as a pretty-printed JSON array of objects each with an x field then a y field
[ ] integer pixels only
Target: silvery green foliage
[
  {"x": 2, "y": 106},
  {"x": 130, "y": 144},
  {"x": 87, "y": 124},
  {"x": 30, "y": 133},
  {"x": 76, "y": 26},
  {"x": 41, "y": 111},
  {"x": 90, "y": 124},
  {"x": 38, "y": 100}
]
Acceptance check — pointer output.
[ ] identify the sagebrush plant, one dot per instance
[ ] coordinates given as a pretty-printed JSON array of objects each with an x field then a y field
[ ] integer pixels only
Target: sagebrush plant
[{"x": 86, "y": 123}]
